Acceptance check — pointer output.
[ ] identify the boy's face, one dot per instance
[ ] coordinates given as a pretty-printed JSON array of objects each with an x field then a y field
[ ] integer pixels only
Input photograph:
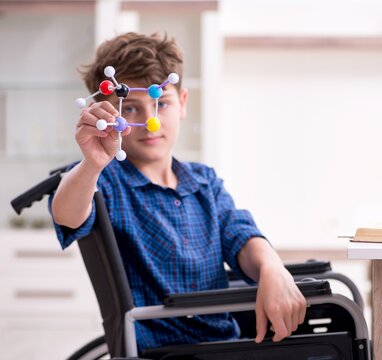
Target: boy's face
[{"x": 142, "y": 146}]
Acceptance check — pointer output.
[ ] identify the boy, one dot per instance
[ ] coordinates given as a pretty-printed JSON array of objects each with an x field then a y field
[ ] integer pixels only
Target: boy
[{"x": 174, "y": 222}]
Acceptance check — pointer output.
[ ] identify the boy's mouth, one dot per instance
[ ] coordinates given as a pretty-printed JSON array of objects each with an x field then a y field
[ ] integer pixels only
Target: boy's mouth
[{"x": 150, "y": 140}]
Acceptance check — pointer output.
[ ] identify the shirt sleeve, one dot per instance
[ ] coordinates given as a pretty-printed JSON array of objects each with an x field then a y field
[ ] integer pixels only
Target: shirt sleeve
[
  {"x": 236, "y": 226},
  {"x": 66, "y": 235}
]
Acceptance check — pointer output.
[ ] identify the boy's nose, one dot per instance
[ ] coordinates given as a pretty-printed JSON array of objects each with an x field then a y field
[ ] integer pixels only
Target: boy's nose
[{"x": 147, "y": 112}]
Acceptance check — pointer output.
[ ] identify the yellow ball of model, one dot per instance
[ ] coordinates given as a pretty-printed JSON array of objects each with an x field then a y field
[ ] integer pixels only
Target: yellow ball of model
[{"x": 153, "y": 124}]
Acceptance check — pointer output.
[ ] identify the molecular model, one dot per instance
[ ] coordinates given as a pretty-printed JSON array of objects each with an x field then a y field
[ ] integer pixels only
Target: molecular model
[{"x": 107, "y": 87}]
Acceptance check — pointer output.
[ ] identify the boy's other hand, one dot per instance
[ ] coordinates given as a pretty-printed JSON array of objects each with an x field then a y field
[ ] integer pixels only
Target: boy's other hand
[
  {"x": 98, "y": 146},
  {"x": 280, "y": 301}
]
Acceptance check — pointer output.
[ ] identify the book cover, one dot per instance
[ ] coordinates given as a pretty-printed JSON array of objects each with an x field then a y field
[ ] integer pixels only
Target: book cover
[{"x": 368, "y": 235}]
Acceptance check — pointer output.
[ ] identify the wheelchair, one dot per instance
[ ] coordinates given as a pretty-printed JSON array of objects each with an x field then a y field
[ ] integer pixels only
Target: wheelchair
[{"x": 334, "y": 326}]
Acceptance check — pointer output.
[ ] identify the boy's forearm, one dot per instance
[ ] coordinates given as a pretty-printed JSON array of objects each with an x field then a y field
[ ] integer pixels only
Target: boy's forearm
[
  {"x": 71, "y": 203},
  {"x": 256, "y": 254}
]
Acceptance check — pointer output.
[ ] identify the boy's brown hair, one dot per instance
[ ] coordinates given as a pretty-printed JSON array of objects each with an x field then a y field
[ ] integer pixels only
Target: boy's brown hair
[{"x": 136, "y": 57}]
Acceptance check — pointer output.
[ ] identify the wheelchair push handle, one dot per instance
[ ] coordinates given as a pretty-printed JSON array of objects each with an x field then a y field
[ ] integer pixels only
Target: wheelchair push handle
[{"x": 37, "y": 192}]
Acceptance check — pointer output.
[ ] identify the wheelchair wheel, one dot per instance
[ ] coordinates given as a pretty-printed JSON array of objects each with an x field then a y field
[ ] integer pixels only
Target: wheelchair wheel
[{"x": 94, "y": 350}]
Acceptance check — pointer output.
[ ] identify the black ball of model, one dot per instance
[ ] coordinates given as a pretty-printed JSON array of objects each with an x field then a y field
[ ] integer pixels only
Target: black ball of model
[{"x": 123, "y": 91}]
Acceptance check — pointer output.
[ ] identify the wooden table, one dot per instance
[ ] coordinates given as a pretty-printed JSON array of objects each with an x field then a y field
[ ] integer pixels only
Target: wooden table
[{"x": 373, "y": 252}]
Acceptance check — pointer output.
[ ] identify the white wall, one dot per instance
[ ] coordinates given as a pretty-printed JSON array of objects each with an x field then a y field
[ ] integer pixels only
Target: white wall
[
  {"x": 301, "y": 17},
  {"x": 301, "y": 141},
  {"x": 300, "y": 144}
]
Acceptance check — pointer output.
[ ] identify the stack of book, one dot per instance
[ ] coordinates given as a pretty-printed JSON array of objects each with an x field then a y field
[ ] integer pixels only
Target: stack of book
[{"x": 368, "y": 235}]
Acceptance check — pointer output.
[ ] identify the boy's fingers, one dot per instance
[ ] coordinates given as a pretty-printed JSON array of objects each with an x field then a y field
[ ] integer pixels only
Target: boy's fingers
[
  {"x": 100, "y": 113},
  {"x": 127, "y": 131},
  {"x": 104, "y": 106},
  {"x": 302, "y": 312},
  {"x": 295, "y": 319},
  {"x": 261, "y": 324},
  {"x": 280, "y": 328},
  {"x": 85, "y": 131},
  {"x": 283, "y": 326},
  {"x": 92, "y": 114},
  {"x": 299, "y": 312},
  {"x": 91, "y": 119},
  {"x": 288, "y": 320}
]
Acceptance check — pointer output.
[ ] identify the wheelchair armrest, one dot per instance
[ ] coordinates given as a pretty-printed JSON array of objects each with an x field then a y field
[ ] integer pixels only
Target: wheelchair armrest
[
  {"x": 316, "y": 291},
  {"x": 238, "y": 295},
  {"x": 309, "y": 267}
]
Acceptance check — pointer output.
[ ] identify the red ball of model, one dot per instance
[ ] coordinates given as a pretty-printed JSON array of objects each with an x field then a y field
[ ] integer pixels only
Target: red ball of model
[{"x": 106, "y": 87}]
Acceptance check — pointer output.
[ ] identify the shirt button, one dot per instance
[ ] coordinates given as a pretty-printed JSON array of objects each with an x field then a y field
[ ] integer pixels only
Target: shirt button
[
  {"x": 177, "y": 202},
  {"x": 185, "y": 241},
  {"x": 193, "y": 286}
]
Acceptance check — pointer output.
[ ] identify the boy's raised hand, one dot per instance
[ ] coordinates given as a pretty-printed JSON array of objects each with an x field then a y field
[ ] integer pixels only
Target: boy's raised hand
[{"x": 98, "y": 146}]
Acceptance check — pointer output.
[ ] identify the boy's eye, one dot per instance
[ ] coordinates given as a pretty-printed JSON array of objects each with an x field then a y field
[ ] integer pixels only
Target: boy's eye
[
  {"x": 130, "y": 109},
  {"x": 162, "y": 104}
]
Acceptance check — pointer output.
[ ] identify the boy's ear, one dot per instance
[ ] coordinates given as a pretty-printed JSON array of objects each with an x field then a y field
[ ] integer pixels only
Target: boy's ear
[{"x": 183, "y": 97}]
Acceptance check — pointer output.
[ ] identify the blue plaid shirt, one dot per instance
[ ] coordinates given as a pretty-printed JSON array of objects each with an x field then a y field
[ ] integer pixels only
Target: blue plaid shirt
[{"x": 172, "y": 241}]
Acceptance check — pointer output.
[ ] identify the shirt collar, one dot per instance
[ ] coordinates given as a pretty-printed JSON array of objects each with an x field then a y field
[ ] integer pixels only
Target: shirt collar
[
  {"x": 188, "y": 181},
  {"x": 134, "y": 177}
]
